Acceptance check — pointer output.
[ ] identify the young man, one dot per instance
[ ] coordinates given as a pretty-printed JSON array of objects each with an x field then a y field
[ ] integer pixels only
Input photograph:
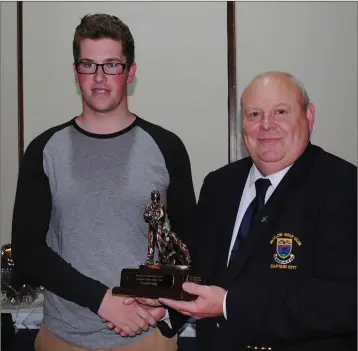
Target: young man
[
  {"x": 82, "y": 190},
  {"x": 277, "y": 235}
]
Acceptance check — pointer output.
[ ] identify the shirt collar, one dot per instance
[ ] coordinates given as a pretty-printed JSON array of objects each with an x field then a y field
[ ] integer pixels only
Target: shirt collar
[{"x": 274, "y": 178}]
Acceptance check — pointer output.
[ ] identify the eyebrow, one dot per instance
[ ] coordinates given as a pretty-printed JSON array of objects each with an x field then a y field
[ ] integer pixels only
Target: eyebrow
[
  {"x": 253, "y": 108},
  {"x": 111, "y": 59},
  {"x": 281, "y": 103},
  {"x": 275, "y": 105},
  {"x": 284, "y": 104}
]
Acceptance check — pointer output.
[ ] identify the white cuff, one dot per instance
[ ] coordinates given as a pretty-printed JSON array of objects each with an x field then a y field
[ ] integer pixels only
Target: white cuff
[
  {"x": 166, "y": 319},
  {"x": 224, "y": 306}
]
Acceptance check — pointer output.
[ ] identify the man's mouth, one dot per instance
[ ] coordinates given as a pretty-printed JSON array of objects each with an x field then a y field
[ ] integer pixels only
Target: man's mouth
[
  {"x": 100, "y": 91},
  {"x": 269, "y": 140}
]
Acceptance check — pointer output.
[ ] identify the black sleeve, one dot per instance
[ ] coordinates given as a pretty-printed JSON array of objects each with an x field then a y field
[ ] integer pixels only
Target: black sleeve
[
  {"x": 35, "y": 262},
  {"x": 322, "y": 305},
  {"x": 181, "y": 200}
]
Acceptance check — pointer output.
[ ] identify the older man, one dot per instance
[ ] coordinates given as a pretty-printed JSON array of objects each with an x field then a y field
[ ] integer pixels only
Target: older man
[{"x": 276, "y": 235}]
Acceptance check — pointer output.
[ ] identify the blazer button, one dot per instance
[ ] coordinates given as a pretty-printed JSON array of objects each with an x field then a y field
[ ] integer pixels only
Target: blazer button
[
  {"x": 217, "y": 325},
  {"x": 259, "y": 347}
]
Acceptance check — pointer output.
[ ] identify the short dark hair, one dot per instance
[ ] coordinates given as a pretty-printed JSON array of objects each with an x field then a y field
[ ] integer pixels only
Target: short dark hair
[{"x": 101, "y": 25}]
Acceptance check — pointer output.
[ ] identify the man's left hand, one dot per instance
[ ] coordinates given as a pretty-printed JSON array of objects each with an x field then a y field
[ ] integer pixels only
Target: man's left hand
[
  {"x": 151, "y": 305},
  {"x": 208, "y": 304}
]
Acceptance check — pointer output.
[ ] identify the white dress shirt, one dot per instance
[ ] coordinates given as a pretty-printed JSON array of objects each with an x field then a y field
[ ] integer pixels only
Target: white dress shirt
[{"x": 248, "y": 195}]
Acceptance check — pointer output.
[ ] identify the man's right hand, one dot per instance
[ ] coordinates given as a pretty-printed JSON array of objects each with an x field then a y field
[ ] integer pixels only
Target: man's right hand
[{"x": 128, "y": 320}]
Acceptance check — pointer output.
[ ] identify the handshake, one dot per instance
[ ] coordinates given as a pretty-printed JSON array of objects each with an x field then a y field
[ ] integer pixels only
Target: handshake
[{"x": 129, "y": 316}]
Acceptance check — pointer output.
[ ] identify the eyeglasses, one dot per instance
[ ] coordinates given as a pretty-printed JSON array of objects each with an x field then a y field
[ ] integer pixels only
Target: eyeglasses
[{"x": 110, "y": 68}]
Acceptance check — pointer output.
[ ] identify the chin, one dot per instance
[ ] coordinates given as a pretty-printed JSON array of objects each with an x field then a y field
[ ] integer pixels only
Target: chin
[
  {"x": 270, "y": 156},
  {"x": 101, "y": 109}
]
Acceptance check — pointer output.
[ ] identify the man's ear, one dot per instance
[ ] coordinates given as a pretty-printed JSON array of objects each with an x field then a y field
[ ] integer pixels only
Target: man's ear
[
  {"x": 310, "y": 115},
  {"x": 131, "y": 73},
  {"x": 75, "y": 72}
]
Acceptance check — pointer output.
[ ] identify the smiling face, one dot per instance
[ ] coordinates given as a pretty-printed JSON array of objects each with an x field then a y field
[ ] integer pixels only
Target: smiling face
[
  {"x": 275, "y": 125},
  {"x": 103, "y": 93}
]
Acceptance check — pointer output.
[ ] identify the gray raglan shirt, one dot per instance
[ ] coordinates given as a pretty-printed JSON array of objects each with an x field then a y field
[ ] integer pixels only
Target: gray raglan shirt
[{"x": 78, "y": 217}]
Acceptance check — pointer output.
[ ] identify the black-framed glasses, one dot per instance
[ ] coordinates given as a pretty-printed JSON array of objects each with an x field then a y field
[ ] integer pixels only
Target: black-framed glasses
[{"x": 111, "y": 68}]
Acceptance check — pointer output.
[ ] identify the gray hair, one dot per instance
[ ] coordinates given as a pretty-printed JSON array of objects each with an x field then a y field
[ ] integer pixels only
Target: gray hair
[{"x": 305, "y": 98}]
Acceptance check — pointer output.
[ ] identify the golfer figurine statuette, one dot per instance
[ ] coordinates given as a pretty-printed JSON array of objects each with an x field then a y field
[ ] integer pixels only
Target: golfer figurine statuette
[{"x": 165, "y": 277}]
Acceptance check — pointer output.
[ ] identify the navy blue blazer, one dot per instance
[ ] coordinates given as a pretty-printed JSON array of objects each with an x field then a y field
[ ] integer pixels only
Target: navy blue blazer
[{"x": 294, "y": 286}]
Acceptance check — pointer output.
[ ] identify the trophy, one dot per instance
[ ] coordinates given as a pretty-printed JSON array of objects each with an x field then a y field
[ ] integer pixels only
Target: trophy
[
  {"x": 12, "y": 289},
  {"x": 165, "y": 277}
]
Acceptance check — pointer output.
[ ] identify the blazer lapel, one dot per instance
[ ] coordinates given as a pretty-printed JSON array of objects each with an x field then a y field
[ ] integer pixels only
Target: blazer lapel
[{"x": 273, "y": 209}]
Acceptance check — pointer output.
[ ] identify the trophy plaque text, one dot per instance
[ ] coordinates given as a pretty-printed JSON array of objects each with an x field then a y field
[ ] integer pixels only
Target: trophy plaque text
[{"x": 164, "y": 278}]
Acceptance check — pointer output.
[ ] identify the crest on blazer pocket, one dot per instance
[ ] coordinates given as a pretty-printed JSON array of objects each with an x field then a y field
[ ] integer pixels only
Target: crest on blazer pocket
[
  {"x": 284, "y": 255},
  {"x": 284, "y": 248}
]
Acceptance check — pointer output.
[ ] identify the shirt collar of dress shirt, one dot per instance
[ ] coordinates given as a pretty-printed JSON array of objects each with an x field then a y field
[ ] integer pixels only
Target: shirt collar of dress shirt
[{"x": 274, "y": 178}]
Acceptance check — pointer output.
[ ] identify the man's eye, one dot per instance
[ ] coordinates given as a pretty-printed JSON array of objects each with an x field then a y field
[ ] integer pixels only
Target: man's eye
[
  {"x": 281, "y": 111},
  {"x": 254, "y": 114},
  {"x": 87, "y": 64},
  {"x": 112, "y": 64}
]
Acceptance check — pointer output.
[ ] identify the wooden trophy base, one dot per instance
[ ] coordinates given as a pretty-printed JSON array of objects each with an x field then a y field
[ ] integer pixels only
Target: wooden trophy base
[{"x": 154, "y": 281}]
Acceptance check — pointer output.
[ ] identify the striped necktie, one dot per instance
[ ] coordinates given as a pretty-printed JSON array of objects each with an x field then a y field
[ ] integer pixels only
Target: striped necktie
[{"x": 251, "y": 214}]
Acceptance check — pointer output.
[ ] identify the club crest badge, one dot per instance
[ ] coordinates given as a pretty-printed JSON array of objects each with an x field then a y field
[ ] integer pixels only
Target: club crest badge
[{"x": 284, "y": 255}]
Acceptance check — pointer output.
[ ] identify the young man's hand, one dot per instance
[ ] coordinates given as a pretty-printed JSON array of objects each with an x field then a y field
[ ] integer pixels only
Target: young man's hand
[{"x": 129, "y": 319}]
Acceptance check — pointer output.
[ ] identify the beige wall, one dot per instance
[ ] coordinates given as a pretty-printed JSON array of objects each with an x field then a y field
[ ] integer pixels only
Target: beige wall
[
  {"x": 317, "y": 42},
  {"x": 181, "y": 78},
  {"x": 8, "y": 117},
  {"x": 182, "y": 71}
]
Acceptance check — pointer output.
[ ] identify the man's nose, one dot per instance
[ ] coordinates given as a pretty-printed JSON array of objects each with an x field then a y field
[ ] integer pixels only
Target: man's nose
[
  {"x": 267, "y": 122},
  {"x": 100, "y": 76}
]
